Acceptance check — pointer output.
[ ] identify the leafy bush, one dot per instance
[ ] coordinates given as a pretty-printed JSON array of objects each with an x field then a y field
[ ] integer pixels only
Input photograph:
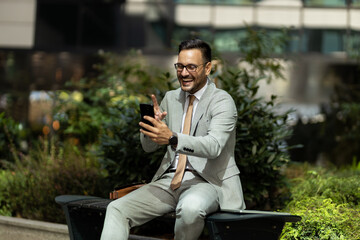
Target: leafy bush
[
  {"x": 104, "y": 111},
  {"x": 322, "y": 219},
  {"x": 5, "y": 199},
  {"x": 11, "y": 134},
  {"x": 120, "y": 149},
  {"x": 30, "y": 185},
  {"x": 260, "y": 151},
  {"x": 340, "y": 189},
  {"x": 84, "y": 107},
  {"x": 328, "y": 202}
]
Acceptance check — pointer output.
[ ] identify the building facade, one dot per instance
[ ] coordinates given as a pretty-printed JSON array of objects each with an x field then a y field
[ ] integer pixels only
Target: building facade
[{"x": 50, "y": 40}]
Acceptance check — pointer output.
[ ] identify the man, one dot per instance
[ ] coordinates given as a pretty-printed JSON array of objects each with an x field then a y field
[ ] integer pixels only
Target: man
[{"x": 210, "y": 178}]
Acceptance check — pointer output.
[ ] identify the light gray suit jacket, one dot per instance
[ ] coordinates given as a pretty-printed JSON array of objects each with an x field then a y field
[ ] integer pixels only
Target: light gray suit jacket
[{"x": 210, "y": 145}]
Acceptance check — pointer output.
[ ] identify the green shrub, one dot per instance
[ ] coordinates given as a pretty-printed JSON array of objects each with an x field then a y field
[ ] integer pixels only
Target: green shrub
[
  {"x": 85, "y": 106},
  {"x": 322, "y": 219},
  {"x": 5, "y": 198},
  {"x": 260, "y": 150},
  {"x": 11, "y": 134},
  {"x": 29, "y": 186},
  {"x": 104, "y": 111},
  {"x": 328, "y": 202},
  {"x": 335, "y": 186},
  {"x": 120, "y": 149}
]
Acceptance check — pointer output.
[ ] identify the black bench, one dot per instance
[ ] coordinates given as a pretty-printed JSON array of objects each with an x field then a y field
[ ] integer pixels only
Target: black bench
[{"x": 85, "y": 217}]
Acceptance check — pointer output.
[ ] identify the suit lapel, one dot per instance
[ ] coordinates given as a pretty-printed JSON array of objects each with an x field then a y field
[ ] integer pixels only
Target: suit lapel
[
  {"x": 202, "y": 106},
  {"x": 178, "y": 108}
]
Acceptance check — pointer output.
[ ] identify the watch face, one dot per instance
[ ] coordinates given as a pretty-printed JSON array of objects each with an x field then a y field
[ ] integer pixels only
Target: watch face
[{"x": 173, "y": 140}]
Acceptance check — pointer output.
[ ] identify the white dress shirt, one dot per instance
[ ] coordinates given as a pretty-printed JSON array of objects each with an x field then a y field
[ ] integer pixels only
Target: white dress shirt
[{"x": 197, "y": 95}]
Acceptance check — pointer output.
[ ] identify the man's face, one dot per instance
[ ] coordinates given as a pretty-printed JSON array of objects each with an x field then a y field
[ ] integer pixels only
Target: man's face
[{"x": 192, "y": 81}]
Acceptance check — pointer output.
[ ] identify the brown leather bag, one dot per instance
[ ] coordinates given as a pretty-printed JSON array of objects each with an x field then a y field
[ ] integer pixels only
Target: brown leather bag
[{"x": 123, "y": 190}]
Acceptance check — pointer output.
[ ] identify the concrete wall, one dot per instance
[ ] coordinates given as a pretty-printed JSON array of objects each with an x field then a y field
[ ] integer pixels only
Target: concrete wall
[
  {"x": 235, "y": 16},
  {"x": 17, "y": 228}
]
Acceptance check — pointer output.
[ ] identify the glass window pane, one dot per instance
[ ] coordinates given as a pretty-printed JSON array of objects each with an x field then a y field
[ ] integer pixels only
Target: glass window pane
[
  {"x": 332, "y": 41},
  {"x": 313, "y": 39},
  {"x": 355, "y": 3},
  {"x": 233, "y": 2},
  {"x": 325, "y": 3},
  {"x": 194, "y": 1},
  {"x": 228, "y": 40},
  {"x": 293, "y": 44}
]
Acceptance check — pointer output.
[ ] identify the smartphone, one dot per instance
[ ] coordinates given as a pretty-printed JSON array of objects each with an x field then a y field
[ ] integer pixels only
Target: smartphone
[{"x": 146, "y": 110}]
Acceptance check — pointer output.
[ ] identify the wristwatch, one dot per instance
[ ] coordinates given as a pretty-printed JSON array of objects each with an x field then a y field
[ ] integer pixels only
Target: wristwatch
[{"x": 173, "y": 140}]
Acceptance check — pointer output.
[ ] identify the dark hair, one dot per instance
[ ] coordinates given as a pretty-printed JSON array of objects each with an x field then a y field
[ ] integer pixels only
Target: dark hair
[{"x": 197, "y": 44}]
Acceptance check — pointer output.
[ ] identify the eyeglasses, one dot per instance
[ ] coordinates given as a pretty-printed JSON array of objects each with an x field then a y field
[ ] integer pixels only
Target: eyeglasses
[{"x": 190, "y": 67}]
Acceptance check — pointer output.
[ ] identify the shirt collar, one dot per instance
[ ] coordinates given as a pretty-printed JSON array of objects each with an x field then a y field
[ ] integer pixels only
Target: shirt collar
[{"x": 199, "y": 93}]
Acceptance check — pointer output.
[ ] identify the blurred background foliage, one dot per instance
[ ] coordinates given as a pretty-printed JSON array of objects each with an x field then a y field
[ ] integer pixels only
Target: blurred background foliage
[
  {"x": 11, "y": 135},
  {"x": 122, "y": 82},
  {"x": 93, "y": 142},
  {"x": 28, "y": 185},
  {"x": 334, "y": 141}
]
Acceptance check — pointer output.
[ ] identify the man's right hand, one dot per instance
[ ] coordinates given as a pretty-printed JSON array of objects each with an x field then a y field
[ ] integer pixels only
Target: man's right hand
[{"x": 157, "y": 112}]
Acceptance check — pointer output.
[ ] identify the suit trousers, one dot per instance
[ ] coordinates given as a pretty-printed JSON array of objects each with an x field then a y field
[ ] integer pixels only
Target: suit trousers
[{"x": 195, "y": 199}]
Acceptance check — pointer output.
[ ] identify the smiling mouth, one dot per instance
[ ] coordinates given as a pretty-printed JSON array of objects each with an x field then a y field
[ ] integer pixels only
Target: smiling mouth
[
  {"x": 187, "y": 83},
  {"x": 187, "y": 80}
]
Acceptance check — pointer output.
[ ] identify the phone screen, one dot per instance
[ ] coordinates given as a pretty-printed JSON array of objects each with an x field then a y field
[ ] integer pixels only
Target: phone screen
[{"x": 146, "y": 110}]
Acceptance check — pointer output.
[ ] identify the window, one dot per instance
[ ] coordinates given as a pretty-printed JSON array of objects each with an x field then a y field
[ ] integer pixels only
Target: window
[
  {"x": 332, "y": 41},
  {"x": 325, "y": 3},
  {"x": 228, "y": 40},
  {"x": 324, "y": 41},
  {"x": 355, "y": 3}
]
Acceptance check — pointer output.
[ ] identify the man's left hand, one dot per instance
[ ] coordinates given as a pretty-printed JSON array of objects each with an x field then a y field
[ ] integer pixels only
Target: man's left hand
[{"x": 159, "y": 133}]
